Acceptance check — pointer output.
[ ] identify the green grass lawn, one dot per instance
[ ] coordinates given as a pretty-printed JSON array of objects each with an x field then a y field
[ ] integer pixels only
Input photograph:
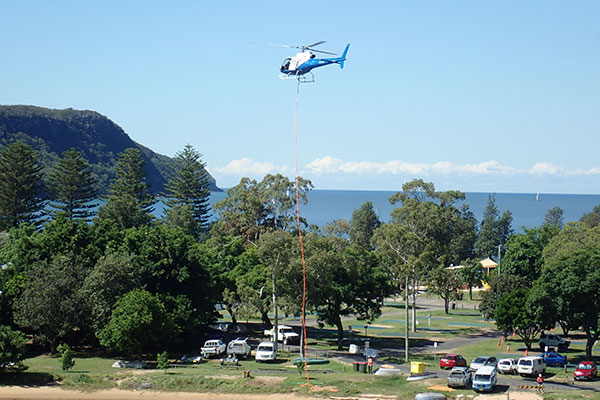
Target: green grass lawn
[{"x": 94, "y": 373}]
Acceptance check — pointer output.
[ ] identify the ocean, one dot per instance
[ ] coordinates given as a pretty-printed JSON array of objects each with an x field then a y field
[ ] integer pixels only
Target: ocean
[{"x": 528, "y": 209}]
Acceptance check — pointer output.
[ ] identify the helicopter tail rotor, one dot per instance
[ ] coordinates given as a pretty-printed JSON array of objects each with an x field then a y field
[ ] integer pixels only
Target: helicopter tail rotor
[{"x": 343, "y": 57}]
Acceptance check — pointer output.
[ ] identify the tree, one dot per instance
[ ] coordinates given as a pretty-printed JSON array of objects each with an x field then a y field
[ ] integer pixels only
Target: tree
[
  {"x": 524, "y": 253},
  {"x": 570, "y": 279},
  {"x": 138, "y": 322},
  {"x": 71, "y": 185},
  {"x": 363, "y": 224},
  {"x": 512, "y": 313},
  {"x": 446, "y": 284},
  {"x": 500, "y": 285},
  {"x": 20, "y": 186},
  {"x": 592, "y": 218},
  {"x": 471, "y": 274},
  {"x": 12, "y": 347},
  {"x": 66, "y": 356},
  {"x": 162, "y": 361},
  {"x": 129, "y": 202},
  {"x": 554, "y": 218},
  {"x": 113, "y": 276},
  {"x": 188, "y": 193},
  {"x": 252, "y": 207},
  {"x": 495, "y": 230},
  {"x": 343, "y": 280},
  {"x": 428, "y": 231},
  {"x": 51, "y": 303}
]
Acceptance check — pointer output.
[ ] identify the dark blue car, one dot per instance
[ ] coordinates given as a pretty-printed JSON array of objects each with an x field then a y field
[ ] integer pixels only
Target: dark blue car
[{"x": 554, "y": 359}]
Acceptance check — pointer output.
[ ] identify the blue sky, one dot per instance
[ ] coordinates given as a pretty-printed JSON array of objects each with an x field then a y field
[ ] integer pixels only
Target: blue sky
[{"x": 499, "y": 96}]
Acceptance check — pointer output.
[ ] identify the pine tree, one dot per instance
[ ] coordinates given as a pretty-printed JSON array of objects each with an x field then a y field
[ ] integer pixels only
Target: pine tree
[
  {"x": 129, "y": 202},
  {"x": 71, "y": 185},
  {"x": 20, "y": 186},
  {"x": 188, "y": 193}
]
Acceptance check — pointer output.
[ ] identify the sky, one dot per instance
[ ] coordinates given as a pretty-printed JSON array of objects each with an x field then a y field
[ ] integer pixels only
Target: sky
[{"x": 477, "y": 96}]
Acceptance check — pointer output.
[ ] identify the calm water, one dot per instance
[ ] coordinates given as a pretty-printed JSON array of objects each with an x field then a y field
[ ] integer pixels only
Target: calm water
[{"x": 325, "y": 206}]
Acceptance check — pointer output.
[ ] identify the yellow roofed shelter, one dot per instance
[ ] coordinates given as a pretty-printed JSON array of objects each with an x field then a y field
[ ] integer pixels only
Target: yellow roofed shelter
[{"x": 488, "y": 264}]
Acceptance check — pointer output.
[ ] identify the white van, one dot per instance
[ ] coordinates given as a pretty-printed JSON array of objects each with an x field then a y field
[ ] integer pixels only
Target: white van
[
  {"x": 265, "y": 352},
  {"x": 531, "y": 365},
  {"x": 485, "y": 379}
]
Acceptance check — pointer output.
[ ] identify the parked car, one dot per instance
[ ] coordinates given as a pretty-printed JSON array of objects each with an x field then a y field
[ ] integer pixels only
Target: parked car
[
  {"x": 265, "y": 352},
  {"x": 507, "y": 366},
  {"x": 483, "y": 360},
  {"x": 531, "y": 365},
  {"x": 460, "y": 377},
  {"x": 285, "y": 334},
  {"x": 238, "y": 347},
  {"x": 553, "y": 341},
  {"x": 485, "y": 378},
  {"x": 554, "y": 359},
  {"x": 452, "y": 360},
  {"x": 586, "y": 370},
  {"x": 213, "y": 347}
]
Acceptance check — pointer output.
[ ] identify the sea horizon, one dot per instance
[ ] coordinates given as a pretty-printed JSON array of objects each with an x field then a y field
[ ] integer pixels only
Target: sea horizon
[{"x": 528, "y": 209}]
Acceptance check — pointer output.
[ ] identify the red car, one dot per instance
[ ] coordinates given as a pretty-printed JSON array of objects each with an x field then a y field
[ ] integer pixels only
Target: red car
[
  {"x": 452, "y": 360},
  {"x": 585, "y": 370}
]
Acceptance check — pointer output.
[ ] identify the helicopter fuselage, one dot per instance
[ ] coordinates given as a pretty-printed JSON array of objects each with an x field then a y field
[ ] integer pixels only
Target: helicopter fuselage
[{"x": 306, "y": 61}]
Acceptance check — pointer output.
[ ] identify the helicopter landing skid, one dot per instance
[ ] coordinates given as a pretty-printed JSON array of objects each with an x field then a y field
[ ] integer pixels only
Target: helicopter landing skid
[{"x": 301, "y": 78}]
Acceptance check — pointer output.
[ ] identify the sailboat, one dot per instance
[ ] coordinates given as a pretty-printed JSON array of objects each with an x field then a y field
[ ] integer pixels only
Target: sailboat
[{"x": 537, "y": 197}]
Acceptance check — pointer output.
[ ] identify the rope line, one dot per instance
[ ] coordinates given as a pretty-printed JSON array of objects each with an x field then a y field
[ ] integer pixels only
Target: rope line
[{"x": 301, "y": 241}]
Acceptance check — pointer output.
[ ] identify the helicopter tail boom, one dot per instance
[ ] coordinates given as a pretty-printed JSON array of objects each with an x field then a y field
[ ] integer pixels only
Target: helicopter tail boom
[{"x": 343, "y": 57}]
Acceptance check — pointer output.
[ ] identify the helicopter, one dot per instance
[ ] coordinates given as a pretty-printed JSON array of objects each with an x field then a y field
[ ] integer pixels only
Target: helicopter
[{"x": 302, "y": 63}]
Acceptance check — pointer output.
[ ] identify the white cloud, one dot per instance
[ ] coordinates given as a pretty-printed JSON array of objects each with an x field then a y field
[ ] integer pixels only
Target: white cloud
[
  {"x": 247, "y": 167},
  {"x": 546, "y": 168},
  {"x": 330, "y": 165},
  {"x": 334, "y": 173}
]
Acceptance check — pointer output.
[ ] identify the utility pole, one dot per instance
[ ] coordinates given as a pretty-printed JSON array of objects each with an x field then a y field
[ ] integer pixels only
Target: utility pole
[
  {"x": 406, "y": 324},
  {"x": 275, "y": 319},
  {"x": 499, "y": 256}
]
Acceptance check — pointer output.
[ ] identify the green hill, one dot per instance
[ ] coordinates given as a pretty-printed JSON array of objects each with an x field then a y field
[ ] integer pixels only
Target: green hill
[{"x": 51, "y": 132}]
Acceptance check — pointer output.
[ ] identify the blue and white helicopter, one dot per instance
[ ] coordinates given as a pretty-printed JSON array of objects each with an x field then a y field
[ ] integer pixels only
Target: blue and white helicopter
[{"x": 298, "y": 66}]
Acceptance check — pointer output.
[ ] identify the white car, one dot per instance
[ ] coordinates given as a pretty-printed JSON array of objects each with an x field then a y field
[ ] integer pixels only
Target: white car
[
  {"x": 531, "y": 365},
  {"x": 483, "y": 360},
  {"x": 265, "y": 352},
  {"x": 238, "y": 347},
  {"x": 507, "y": 366},
  {"x": 213, "y": 347},
  {"x": 552, "y": 340}
]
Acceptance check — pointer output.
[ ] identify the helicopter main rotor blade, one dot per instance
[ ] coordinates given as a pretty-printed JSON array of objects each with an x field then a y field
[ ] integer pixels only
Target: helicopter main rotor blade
[
  {"x": 314, "y": 44},
  {"x": 321, "y": 51}
]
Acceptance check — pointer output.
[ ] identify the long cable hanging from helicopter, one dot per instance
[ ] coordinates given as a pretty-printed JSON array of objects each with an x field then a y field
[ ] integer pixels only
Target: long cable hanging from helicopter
[{"x": 298, "y": 67}]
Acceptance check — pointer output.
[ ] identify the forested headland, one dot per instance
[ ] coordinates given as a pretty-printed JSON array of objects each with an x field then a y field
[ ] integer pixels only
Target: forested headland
[{"x": 50, "y": 132}]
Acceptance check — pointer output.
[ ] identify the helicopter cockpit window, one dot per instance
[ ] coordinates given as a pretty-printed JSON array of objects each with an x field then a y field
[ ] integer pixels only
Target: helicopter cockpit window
[{"x": 286, "y": 64}]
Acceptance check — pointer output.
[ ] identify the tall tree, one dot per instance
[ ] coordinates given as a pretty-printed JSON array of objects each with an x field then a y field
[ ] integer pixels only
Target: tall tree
[
  {"x": 524, "y": 253},
  {"x": 363, "y": 224},
  {"x": 554, "y": 218},
  {"x": 495, "y": 230},
  {"x": 571, "y": 280},
  {"x": 71, "y": 186},
  {"x": 129, "y": 202},
  {"x": 20, "y": 185},
  {"x": 252, "y": 207},
  {"x": 51, "y": 303},
  {"x": 188, "y": 193},
  {"x": 592, "y": 218},
  {"x": 428, "y": 231},
  {"x": 513, "y": 314},
  {"x": 344, "y": 280}
]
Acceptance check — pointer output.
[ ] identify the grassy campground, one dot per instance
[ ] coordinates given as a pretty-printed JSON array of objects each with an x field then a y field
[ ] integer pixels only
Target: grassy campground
[{"x": 462, "y": 331}]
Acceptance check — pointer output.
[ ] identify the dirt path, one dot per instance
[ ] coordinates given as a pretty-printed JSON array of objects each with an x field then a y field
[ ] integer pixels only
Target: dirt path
[{"x": 56, "y": 393}]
